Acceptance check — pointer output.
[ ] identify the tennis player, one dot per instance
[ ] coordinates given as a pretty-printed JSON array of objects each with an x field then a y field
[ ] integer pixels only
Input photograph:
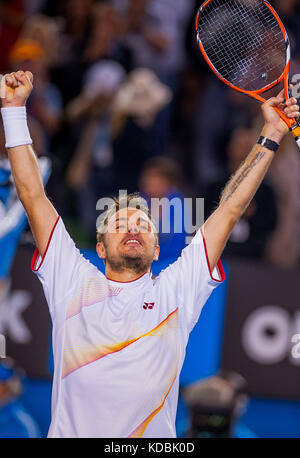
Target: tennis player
[{"x": 119, "y": 339}]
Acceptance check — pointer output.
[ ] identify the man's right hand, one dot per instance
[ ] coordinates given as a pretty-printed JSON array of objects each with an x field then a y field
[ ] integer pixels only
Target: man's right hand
[{"x": 16, "y": 88}]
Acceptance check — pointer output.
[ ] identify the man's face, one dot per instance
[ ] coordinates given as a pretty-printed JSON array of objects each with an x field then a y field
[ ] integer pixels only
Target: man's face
[{"x": 130, "y": 242}]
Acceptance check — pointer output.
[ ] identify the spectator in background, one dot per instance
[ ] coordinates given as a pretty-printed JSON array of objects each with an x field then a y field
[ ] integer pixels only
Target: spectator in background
[
  {"x": 98, "y": 40},
  {"x": 45, "y": 104},
  {"x": 76, "y": 28},
  {"x": 75, "y": 24},
  {"x": 283, "y": 248},
  {"x": 146, "y": 42},
  {"x": 161, "y": 178},
  {"x": 135, "y": 129},
  {"x": 251, "y": 234},
  {"x": 15, "y": 421},
  {"x": 12, "y": 14},
  {"x": 154, "y": 30},
  {"x": 105, "y": 40},
  {"x": 46, "y": 32},
  {"x": 212, "y": 128},
  {"x": 91, "y": 171}
]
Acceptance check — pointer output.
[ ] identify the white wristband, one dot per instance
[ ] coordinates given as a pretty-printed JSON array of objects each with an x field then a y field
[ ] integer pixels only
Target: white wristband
[{"x": 15, "y": 126}]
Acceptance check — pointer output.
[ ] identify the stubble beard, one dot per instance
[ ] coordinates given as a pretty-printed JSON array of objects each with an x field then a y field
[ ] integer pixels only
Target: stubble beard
[{"x": 123, "y": 263}]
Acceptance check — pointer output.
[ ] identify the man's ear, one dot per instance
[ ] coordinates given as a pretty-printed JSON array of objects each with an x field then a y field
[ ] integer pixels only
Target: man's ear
[
  {"x": 100, "y": 248},
  {"x": 156, "y": 253}
]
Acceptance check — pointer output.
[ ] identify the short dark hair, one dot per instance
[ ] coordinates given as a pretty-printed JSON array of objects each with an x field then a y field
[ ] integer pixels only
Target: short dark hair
[{"x": 134, "y": 200}]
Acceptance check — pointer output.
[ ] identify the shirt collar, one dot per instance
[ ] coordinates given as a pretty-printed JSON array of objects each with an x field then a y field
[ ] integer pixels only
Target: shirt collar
[{"x": 139, "y": 281}]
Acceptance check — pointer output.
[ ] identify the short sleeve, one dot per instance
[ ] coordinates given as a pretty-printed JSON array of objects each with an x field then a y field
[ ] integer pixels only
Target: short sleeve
[
  {"x": 61, "y": 268},
  {"x": 192, "y": 279}
]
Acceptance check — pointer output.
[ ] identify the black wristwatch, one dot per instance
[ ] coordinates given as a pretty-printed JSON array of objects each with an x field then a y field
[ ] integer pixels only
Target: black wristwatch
[{"x": 267, "y": 143}]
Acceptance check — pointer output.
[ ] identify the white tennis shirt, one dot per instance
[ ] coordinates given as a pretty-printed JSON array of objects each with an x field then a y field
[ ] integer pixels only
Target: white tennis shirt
[{"x": 119, "y": 347}]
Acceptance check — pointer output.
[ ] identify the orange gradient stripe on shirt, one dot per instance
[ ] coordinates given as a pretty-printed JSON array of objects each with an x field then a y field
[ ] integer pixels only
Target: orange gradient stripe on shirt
[
  {"x": 75, "y": 359},
  {"x": 139, "y": 431}
]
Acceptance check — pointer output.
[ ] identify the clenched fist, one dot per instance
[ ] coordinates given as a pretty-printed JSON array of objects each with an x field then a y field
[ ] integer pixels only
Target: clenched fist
[{"x": 16, "y": 88}]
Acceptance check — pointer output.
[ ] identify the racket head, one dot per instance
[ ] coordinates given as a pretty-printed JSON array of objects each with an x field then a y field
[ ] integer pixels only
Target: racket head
[{"x": 245, "y": 44}]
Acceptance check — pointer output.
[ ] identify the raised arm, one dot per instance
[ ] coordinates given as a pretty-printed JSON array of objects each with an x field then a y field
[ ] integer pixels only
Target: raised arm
[
  {"x": 243, "y": 185},
  {"x": 42, "y": 216}
]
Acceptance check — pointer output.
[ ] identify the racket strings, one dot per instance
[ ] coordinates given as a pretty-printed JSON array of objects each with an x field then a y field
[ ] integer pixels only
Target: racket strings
[{"x": 243, "y": 41}]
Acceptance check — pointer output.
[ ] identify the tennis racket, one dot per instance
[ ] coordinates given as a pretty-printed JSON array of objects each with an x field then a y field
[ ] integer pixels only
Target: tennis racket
[{"x": 246, "y": 45}]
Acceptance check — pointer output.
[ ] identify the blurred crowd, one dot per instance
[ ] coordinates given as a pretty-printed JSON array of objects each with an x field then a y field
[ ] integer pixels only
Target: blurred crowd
[{"x": 123, "y": 99}]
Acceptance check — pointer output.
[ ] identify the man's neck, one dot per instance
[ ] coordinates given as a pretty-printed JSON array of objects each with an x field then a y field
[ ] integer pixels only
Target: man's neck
[{"x": 123, "y": 277}]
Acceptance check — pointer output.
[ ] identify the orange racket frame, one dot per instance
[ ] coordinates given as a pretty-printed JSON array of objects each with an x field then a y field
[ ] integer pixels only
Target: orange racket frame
[{"x": 291, "y": 123}]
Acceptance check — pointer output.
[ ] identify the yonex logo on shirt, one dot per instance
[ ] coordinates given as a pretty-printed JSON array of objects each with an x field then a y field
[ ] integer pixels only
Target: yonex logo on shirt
[{"x": 148, "y": 305}]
